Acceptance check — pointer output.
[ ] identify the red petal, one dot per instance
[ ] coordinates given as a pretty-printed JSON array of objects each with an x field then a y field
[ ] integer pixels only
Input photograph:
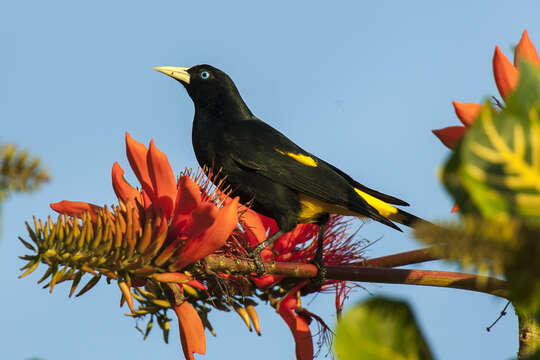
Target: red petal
[
  {"x": 299, "y": 328},
  {"x": 191, "y": 330},
  {"x": 197, "y": 284},
  {"x": 269, "y": 224},
  {"x": 75, "y": 208},
  {"x": 506, "y": 75},
  {"x": 265, "y": 281},
  {"x": 122, "y": 188},
  {"x": 212, "y": 238},
  {"x": 286, "y": 242},
  {"x": 189, "y": 195},
  {"x": 267, "y": 254},
  {"x": 136, "y": 153},
  {"x": 147, "y": 201},
  {"x": 526, "y": 50},
  {"x": 450, "y": 136},
  {"x": 163, "y": 180},
  {"x": 203, "y": 217},
  {"x": 253, "y": 227},
  {"x": 467, "y": 112},
  {"x": 455, "y": 208},
  {"x": 188, "y": 198}
]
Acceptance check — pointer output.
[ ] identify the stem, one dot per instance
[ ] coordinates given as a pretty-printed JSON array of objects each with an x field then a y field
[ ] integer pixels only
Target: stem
[
  {"x": 447, "y": 279},
  {"x": 529, "y": 335},
  {"x": 405, "y": 258}
]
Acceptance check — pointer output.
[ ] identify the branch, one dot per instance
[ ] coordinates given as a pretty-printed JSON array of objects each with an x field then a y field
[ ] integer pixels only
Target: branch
[
  {"x": 405, "y": 258},
  {"x": 485, "y": 284},
  {"x": 529, "y": 335}
]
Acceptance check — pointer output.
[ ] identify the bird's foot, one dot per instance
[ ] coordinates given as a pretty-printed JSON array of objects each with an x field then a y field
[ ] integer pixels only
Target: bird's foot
[
  {"x": 255, "y": 255},
  {"x": 317, "y": 281}
]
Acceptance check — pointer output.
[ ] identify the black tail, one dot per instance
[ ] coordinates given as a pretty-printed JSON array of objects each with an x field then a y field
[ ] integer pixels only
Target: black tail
[{"x": 407, "y": 219}]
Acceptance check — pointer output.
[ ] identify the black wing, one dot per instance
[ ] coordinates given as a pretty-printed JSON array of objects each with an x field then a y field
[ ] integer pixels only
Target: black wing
[
  {"x": 379, "y": 195},
  {"x": 256, "y": 146}
]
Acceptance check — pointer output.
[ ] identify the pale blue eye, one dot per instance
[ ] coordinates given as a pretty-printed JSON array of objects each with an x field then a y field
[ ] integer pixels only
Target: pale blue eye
[{"x": 205, "y": 75}]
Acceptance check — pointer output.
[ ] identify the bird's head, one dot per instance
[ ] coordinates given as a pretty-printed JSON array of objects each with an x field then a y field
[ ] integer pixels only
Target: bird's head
[{"x": 207, "y": 86}]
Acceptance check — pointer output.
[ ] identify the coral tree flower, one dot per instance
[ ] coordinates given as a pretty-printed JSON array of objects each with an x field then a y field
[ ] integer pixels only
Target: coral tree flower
[
  {"x": 150, "y": 243},
  {"x": 298, "y": 246},
  {"x": 506, "y": 76},
  {"x": 168, "y": 225}
]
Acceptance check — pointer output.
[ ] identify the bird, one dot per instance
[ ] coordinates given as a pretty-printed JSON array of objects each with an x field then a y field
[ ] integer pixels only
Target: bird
[{"x": 269, "y": 171}]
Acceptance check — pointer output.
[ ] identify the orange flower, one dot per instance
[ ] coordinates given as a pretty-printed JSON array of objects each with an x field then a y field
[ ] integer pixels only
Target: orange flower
[
  {"x": 186, "y": 227},
  {"x": 149, "y": 240},
  {"x": 299, "y": 245},
  {"x": 506, "y": 77},
  {"x": 191, "y": 330},
  {"x": 298, "y": 325},
  {"x": 194, "y": 228}
]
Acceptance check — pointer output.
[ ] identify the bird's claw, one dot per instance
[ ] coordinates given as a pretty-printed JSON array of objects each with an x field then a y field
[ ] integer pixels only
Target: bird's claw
[
  {"x": 255, "y": 255},
  {"x": 318, "y": 280}
]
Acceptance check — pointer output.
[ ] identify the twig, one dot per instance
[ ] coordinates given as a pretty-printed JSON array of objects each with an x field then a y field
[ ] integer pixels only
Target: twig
[
  {"x": 447, "y": 279},
  {"x": 503, "y": 312},
  {"x": 405, "y": 258}
]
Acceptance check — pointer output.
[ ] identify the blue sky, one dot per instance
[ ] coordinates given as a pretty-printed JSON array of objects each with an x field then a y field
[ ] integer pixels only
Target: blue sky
[{"x": 360, "y": 84}]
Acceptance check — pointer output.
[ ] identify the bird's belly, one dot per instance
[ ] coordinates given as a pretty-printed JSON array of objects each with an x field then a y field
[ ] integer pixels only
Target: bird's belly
[{"x": 312, "y": 209}]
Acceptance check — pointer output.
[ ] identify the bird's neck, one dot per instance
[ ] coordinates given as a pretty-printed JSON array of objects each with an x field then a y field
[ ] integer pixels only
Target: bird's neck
[{"x": 225, "y": 109}]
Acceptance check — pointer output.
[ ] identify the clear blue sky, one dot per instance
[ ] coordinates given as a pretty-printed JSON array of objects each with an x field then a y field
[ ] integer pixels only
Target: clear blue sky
[{"x": 360, "y": 84}]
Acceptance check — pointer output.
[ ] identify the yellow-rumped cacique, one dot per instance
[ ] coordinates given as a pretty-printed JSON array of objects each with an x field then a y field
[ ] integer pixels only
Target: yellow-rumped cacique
[{"x": 268, "y": 170}]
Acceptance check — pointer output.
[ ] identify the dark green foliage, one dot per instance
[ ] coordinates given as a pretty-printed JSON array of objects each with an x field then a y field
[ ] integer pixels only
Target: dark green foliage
[{"x": 381, "y": 329}]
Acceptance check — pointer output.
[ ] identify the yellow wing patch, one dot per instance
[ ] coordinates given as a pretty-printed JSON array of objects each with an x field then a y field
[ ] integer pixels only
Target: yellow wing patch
[
  {"x": 303, "y": 159},
  {"x": 383, "y": 208},
  {"x": 313, "y": 208}
]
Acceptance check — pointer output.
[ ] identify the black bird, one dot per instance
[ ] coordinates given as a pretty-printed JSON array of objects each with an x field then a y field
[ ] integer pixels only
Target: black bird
[{"x": 262, "y": 166}]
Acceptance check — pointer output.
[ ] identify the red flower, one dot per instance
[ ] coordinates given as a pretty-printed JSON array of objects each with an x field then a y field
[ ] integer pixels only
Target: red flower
[
  {"x": 298, "y": 324},
  {"x": 506, "y": 77},
  {"x": 191, "y": 330},
  {"x": 187, "y": 227},
  {"x": 195, "y": 228},
  {"x": 299, "y": 245}
]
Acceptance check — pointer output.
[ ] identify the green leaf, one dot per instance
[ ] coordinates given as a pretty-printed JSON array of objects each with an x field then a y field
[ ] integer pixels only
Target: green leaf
[
  {"x": 380, "y": 329},
  {"x": 495, "y": 171}
]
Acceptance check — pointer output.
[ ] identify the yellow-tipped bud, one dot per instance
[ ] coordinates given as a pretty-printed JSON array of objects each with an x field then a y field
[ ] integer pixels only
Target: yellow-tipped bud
[
  {"x": 127, "y": 294},
  {"x": 243, "y": 315},
  {"x": 254, "y": 318}
]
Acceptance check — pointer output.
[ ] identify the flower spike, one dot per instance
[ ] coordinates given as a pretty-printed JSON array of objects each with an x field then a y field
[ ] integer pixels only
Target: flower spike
[{"x": 152, "y": 243}]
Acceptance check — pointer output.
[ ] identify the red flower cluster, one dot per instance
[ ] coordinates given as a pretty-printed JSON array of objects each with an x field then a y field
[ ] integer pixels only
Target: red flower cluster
[
  {"x": 187, "y": 226},
  {"x": 506, "y": 77},
  {"x": 169, "y": 224},
  {"x": 298, "y": 246}
]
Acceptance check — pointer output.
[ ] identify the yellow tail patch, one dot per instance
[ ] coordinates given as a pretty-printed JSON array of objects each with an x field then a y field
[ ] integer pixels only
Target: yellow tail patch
[
  {"x": 383, "y": 208},
  {"x": 303, "y": 159}
]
